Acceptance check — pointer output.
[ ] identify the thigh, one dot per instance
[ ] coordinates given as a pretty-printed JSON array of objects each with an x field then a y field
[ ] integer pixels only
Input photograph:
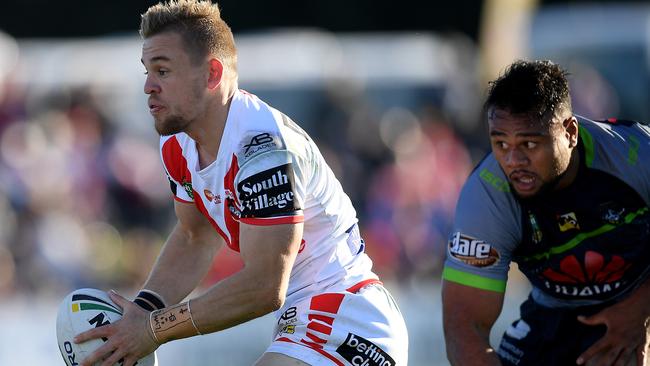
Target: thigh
[
  {"x": 278, "y": 359},
  {"x": 364, "y": 328}
]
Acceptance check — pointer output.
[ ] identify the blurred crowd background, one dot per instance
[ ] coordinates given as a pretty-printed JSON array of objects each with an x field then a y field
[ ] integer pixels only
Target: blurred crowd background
[{"x": 391, "y": 92}]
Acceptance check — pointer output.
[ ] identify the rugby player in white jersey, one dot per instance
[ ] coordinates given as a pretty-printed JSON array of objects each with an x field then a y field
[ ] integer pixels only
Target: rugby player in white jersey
[{"x": 246, "y": 175}]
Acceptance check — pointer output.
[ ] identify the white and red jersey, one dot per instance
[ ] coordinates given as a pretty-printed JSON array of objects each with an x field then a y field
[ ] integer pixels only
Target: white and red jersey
[{"x": 268, "y": 171}]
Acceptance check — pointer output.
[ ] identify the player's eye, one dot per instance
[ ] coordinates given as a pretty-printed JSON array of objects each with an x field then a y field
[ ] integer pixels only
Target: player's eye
[{"x": 530, "y": 144}]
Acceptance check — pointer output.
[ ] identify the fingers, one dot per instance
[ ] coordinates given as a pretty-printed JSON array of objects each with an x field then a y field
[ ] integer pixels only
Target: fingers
[
  {"x": 118, "y": 299},
  {"x": 99, "y": 354},
  {"x": 114, "y": 359},
  {"x": 624, "y": 358},
  {"x": 100, "y": 332},
  {"x": 591, "y": 320},
  {"x": 601, "y": 346}
]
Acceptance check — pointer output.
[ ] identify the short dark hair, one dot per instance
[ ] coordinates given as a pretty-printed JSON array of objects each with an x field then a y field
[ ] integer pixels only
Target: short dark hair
[{"x": 537, "y": 89}]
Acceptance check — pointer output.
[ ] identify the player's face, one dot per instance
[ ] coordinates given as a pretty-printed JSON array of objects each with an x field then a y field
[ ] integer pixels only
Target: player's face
[
  {"x": 175, "y": 86},
  {"x": 534, "y": 156}
]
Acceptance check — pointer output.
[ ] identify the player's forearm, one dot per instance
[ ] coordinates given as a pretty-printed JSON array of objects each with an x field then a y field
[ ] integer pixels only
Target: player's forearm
[
  {"x": 237, "y": 299},
  {"x": 182, "y": 263},
  {"x": 470, "y": 346}
]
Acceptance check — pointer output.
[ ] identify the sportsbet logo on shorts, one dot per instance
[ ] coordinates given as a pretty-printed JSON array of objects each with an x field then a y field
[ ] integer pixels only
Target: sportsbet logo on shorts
[
  {"x": 472, "y": 251},
  {"x": 361, "y": 352}
]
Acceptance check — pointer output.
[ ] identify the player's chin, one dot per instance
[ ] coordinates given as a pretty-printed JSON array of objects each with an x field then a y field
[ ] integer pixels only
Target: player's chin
[
  {"x": 170, "y": 126},
  {"x": 527, "y": 191},
  {"x": 164, "y": 129}
]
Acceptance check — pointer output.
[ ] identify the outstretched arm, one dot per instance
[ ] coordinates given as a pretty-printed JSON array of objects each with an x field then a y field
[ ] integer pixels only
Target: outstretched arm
[{"x": 468, "y": 316}]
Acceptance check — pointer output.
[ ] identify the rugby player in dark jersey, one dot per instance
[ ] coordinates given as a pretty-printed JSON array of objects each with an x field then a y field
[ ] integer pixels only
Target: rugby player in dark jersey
[{"x": 566, "y": 198}]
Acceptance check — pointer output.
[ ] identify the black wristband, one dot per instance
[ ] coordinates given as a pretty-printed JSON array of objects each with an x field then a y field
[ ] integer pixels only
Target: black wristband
[{"x": 149, "y": 300}]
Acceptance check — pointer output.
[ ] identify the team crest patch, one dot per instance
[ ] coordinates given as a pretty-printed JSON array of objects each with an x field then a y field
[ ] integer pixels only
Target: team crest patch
[
  {"x": 568, "y": 221},
  {"x": 472, "y": 251},
  {"x": 188, "y": 189}
]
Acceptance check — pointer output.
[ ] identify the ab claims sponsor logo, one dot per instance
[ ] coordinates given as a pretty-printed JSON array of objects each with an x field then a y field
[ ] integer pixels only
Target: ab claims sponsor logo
[
  {"x": 474, "y": 252},
  {"x": 361, "y": 352},
  {"x": 258, "y": 143}
]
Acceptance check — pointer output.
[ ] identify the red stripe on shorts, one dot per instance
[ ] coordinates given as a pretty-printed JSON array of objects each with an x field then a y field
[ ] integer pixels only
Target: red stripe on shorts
[
  {"x": 315, "y": 338},
  {"x": 323, "y": 318},
  {"x": 318, "y": 327}
]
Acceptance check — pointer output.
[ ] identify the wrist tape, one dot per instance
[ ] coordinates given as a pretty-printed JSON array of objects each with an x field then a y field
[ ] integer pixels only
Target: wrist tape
[
  {"x": 171, "y": 323},
  {"x": 149, "y": 300}
]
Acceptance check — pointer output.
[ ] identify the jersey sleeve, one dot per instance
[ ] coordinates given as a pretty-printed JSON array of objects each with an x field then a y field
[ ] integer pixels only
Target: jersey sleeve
[
  {"x": 620, "y": 148},
  {"x": 487, "y": 229},
  {"x": 270, "y": 189},
  {"x": 175, "y": 165}
]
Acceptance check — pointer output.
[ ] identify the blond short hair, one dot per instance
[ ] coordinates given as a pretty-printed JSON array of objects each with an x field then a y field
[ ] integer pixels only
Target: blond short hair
[{"x": 199, "y": 24}]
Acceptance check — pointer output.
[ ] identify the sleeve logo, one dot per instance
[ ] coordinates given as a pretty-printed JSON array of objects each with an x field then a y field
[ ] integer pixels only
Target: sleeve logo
[
  {"x": 258, "y": 143},
  {"x": 269, "y": 193},
  {"x": 257, "y": 140},
  {"x": 474, "y": 252}
]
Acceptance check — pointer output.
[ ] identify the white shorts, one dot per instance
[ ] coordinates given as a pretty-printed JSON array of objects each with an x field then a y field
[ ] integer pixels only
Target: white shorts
[{"x": 359, "y": 327}]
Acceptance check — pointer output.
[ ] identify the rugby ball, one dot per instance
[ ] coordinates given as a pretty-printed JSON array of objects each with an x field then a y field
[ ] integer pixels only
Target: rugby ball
[{"x": 82, "y": 310}]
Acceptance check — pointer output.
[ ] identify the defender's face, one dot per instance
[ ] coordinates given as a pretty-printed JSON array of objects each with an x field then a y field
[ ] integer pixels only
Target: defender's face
[
  {"x": 175, "y": 86},
  {"x": 533, "y": 155}
]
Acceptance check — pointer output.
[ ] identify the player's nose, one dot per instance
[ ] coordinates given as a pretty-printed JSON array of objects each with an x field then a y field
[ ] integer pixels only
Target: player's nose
[
  {"x": 151, "y": 86},
  {"x": 515, "y": 158}
]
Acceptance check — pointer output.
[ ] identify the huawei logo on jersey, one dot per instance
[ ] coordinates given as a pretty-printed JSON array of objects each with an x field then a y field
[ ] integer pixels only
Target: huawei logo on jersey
[
  {"x": 592, "y": 276},
  {"x": 211, "y": 197}
]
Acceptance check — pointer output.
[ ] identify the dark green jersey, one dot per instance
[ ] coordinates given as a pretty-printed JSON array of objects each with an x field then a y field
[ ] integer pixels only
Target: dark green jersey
[{"x": 586, "y": 244}]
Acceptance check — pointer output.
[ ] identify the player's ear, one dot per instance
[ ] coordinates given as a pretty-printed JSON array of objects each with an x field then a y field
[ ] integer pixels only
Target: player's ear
[
  {"x": 571, "y": 130},
  {"x": 215, "y": 73}
]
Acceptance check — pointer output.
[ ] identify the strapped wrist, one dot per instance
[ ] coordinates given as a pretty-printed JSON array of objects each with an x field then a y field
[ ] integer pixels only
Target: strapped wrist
[
  {"x": 189, "y": 310},
  {"x": 174, "y": 322},
  {"x": 149, "y": 300}
]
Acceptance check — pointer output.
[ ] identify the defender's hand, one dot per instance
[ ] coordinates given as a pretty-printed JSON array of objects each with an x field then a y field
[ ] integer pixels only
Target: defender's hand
[
  {"x": 627, "y": 336},
  {"x": 129, "y": 338}
]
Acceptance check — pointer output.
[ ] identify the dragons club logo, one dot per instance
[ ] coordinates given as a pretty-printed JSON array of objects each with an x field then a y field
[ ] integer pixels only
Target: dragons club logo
[{"x": 590, "y": 277}]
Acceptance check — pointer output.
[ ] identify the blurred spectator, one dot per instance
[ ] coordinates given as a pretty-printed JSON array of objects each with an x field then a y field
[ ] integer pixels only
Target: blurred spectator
[
  {"x": 592, "y": 95},
  {"x": 411, "y": 201},
  {"x": 72, "y": 201}
]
